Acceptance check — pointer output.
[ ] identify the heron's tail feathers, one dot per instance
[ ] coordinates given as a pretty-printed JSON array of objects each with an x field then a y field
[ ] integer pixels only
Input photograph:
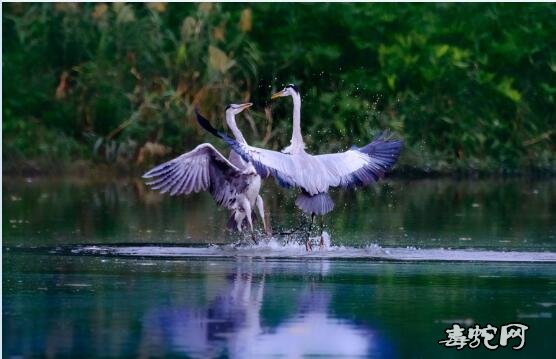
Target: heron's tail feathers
[{"x": 319, "y": 204}]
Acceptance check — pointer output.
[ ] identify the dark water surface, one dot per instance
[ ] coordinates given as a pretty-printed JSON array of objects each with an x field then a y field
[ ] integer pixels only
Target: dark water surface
[{"x": 61, "y": 301}]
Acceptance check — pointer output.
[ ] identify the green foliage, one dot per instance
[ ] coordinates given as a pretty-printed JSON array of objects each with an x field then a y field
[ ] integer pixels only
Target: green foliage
[
  {"x": 467, "y": 86},
  {"x": 117, "y": 76}
]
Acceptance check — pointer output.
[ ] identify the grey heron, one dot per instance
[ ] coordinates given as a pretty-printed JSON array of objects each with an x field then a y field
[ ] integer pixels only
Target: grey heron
[
  {"x": 316, "y": 174},
  {"x": 234, "y": 183}
]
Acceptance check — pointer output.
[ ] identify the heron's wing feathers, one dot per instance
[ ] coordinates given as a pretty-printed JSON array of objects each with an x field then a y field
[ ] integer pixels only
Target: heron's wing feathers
[
  {"x": 290, "y": 170},
  {"x": 314, "y": 174},
  {"x": 266, "y": 162},
  {"x": 362, "y": 166},
  {"x": 202, "y": 169}
]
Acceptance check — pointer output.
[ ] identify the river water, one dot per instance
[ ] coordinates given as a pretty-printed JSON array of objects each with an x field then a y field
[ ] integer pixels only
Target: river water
[{"x": 110, "y": 269}]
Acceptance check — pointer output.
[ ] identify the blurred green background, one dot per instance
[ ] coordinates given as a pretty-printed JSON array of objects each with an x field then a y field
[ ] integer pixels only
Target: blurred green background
[{"x": 469, "y": 87}]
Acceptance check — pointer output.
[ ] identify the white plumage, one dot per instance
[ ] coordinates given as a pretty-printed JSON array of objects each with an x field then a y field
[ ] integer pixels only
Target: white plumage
[{"x": 316, "y": 174}]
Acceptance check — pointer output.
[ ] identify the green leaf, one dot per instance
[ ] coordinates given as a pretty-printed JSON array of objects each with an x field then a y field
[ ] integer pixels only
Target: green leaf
[
  {"x": 391, "y": 80},
  {"x": 441, "y": 50},
  {"x": 181, "y": 55},
  {"x": 506, "y": 89}
]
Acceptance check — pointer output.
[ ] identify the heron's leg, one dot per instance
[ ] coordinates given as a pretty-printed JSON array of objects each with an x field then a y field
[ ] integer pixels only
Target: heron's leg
[
  {"x": 308, "y": 245},
  {"x": 248, "y": 211},
  {"x": 260, "y": 206},
  {"x": 321, "y": 244},
  {"x": 239, "y": 215},
  {"x": 250, "y": 222},
  {"x": 312, "y": 220}
]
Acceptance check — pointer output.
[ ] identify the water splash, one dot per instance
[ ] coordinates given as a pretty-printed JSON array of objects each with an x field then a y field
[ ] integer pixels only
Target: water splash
[{"x": 274, "y": 248}]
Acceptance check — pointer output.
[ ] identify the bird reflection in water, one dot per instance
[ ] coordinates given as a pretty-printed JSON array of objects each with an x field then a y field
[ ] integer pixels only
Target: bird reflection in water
[{"x": 232, "y": 323}]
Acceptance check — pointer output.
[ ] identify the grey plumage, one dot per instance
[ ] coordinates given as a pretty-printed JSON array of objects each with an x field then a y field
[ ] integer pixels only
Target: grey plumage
[
  {"x": 234, "y": 184},
  {"x": 318, "y": 204},
  {"x": 202, "y": 169}
]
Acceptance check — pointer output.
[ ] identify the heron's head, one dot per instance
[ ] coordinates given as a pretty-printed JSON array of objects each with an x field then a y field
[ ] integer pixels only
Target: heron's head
[
  {"x": 289, "y": 90},
  {"x": 234, "y": 109}
]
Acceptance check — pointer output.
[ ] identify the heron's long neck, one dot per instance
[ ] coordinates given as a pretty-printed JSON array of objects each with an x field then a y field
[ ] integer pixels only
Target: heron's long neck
[
  {"x": 297, "y": 139},
  {"x": 231, "y": 121}
]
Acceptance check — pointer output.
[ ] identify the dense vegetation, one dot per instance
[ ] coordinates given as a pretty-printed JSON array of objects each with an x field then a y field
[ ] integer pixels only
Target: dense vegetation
[{"x": 468, "y": 86}]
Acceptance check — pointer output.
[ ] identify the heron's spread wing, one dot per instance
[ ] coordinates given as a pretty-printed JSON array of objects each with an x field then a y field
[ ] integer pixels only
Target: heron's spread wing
[
  {"x": 268, "y": 162},
  {"x": 201, "y": 169},
  {"x": 314, "y": 174},
  {"x": 299, "y": 170},
  {"x": 362, "y": 166}
]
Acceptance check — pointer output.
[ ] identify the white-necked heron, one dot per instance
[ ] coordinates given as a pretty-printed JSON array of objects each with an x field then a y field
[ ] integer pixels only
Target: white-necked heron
[{"x": 315, "y": 174}]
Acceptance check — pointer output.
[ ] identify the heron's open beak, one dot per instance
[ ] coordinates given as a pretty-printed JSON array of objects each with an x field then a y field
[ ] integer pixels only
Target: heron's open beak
[
  {"x": 246, "y": 105},
  {"x": 277, "y": 94}
]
